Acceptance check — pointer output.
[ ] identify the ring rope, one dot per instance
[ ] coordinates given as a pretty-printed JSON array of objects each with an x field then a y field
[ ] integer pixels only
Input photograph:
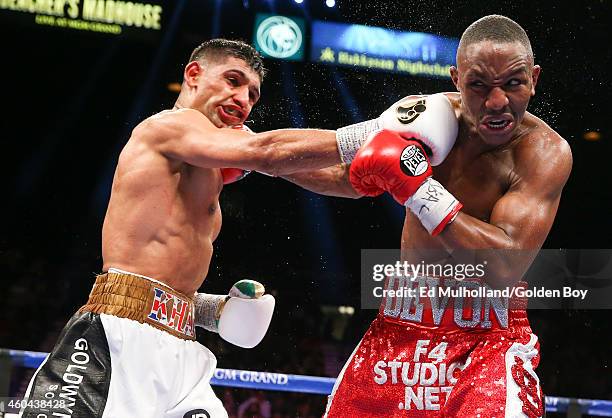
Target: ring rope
[{"x": 248, "y": 379}]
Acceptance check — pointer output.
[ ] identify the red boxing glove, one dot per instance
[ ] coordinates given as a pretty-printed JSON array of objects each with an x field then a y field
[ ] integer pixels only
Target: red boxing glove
[
  {"x": 230, "y": 175},
  {"x": 390, "y": 162}
]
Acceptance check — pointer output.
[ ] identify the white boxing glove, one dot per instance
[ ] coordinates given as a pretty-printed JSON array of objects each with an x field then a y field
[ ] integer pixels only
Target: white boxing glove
[
  {"x": 431, "y": 119},
  {"x": 241, "y": 318}
]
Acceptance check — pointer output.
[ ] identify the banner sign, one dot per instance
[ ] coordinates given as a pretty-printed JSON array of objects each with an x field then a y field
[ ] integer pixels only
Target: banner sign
[
  {"x": 103, "y": 16},
  {"x": 413, "y": 53}
]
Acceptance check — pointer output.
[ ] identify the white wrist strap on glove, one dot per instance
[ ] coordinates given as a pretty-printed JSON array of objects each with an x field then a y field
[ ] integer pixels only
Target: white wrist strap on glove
[
  {"x": 430, "y": 119},
  {"x": 207, "y": 310},
  {"x": 434, "y": 206},
  {"x": 241, "y": 318},
  {"x": 350, "y": 138}
]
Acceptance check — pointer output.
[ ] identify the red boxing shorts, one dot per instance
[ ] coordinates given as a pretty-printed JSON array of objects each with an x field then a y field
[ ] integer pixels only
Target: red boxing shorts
[{"x": 454, "y": 356}]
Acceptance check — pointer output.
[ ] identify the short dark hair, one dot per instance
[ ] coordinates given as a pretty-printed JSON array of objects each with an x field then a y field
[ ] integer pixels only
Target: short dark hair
[
  {"x": 214, "y": 49},
  {"x": 495, "y": 28}
]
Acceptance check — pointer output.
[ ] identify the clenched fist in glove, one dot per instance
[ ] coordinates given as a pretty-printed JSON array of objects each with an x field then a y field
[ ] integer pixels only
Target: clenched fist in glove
[
  {"x": 242, "y": 317},
  {"x": 390, "y": 162}
]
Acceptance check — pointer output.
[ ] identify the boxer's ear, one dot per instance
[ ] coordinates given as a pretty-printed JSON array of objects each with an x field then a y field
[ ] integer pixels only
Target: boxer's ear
[
  {"x": 535, "y": 75},
  {"x": 455, "y": 76},
  {"x": 192, "y": 72}
]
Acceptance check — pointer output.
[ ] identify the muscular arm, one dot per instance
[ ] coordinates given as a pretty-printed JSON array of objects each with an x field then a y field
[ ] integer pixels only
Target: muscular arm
[
  {"x": 330, "y": 181},
  {"x": 334, "y": 181},
  {"x": 189, "y": 136},
  {"x": 521, "y": 219}
]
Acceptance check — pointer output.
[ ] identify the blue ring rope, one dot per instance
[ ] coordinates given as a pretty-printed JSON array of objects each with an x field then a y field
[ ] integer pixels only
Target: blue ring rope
[{"x": 308, "y": 384}]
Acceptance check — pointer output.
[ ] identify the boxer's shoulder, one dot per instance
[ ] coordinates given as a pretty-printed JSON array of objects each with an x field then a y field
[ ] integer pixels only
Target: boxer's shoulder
[
  {"x": 164, "y": 122},
  {"x": 165, "y": 131},
  {"x": 541, "y": 140},
  {"x": 542, "y": 151}
]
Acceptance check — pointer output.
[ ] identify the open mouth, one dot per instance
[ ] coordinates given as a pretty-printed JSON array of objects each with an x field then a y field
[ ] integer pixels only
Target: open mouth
[
  {"x": 231, "y": 115},
  {"x": 499, "y": 124}
]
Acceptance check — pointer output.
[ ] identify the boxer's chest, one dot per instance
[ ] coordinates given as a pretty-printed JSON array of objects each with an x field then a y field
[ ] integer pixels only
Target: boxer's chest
[
  {"x": 478, "y": 182},
  {"x": 198, "y": 206}
]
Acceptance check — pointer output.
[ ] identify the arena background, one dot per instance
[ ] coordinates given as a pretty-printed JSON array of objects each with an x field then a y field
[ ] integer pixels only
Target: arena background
[{"x": 70, "y": 99}]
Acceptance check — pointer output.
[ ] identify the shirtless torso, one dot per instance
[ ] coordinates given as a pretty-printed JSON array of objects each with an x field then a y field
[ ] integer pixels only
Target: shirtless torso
[
  {"x": 163, "y": 216},
  {"x": 499, "y": 187},
  {"x": 162, "y": 219}
]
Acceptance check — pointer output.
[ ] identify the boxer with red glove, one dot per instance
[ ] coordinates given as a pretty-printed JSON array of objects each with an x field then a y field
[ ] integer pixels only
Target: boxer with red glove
[{"x": 397, "y": 163}]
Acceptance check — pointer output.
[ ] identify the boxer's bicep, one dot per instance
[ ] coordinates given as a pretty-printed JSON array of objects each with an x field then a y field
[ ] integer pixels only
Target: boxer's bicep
[
  {"x": 188, "y": 136},
  {"x": 330, "y": 181},
  {"x": 219, "y": 148},
  {"x": 525, "y": 217},
  {"x": 528, "y": 209}
]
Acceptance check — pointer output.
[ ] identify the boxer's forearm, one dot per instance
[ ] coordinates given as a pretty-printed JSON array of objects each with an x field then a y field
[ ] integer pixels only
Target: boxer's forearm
[
  {"x": 330, "y": 181},
  {"x": 506, "y": 259},
  {"x": 286, "y": 151},
  {"x": 467, "y": 232}
]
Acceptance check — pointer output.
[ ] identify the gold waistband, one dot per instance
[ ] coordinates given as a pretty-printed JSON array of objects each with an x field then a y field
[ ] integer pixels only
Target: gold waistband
[{"x": 142, "y": 300}]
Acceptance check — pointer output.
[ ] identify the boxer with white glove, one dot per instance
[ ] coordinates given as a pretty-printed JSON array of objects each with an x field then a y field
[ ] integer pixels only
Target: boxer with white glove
[
  {"x": 430, "y": 119},
  {"x": 242, "y": 317},
  {"x": 396, "y": 162}
]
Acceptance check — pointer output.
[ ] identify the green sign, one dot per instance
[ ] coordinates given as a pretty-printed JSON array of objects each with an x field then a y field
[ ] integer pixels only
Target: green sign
[{"x": 280, "y": 37}]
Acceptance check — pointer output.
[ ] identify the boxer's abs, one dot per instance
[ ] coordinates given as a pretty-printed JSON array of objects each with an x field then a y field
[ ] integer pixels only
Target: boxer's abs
[{"x": 166, "y": 232}]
